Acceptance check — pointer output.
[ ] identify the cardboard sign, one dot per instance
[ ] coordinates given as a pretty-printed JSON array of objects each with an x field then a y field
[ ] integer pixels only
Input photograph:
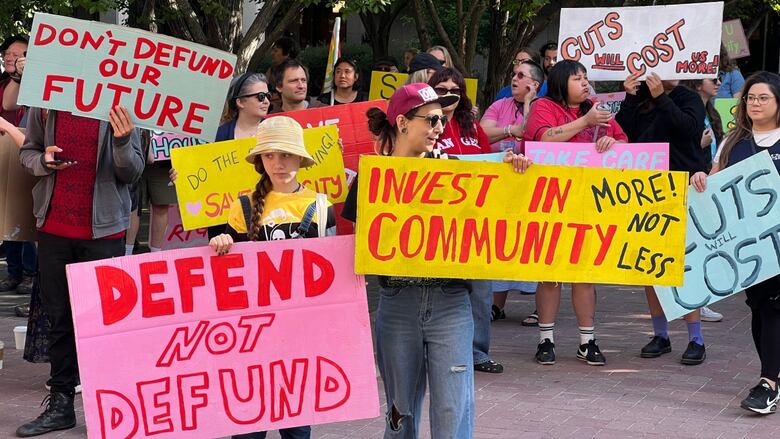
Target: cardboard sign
[
  {"x": 87, "y": 67},
  {"x": 273, "y": 335},
  {"x": 384, "y": 84},
  {"x": 613, "y": 100},
  {"x": 733, "y": 236},
  {"x": 176, "y": 237},
  {"x": 727, "y": 109},
  {"x": 212, "y": 176},
  {"x": 447, "y": 218},
  {"x": 621, "y": 155},
  {"x": 356, "y": 139},
  {"x": 327, "y": 176},
  {"x": 734, "y": 39},
  {"x": 675, "y": 41},
  {"x": 162, "y": 143},
  {"x": 17, "y": 222}
]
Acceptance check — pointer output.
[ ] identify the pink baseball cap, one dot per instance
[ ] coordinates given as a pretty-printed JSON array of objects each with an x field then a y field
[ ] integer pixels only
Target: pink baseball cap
[{"x": 412, "y": 96}]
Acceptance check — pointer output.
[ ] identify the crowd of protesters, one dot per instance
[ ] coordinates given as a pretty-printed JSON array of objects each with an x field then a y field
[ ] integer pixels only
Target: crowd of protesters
[{"x": 87, "y": 207}]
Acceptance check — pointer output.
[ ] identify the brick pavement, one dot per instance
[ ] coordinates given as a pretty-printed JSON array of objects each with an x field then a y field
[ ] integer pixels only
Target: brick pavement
[{"x": 629, "y": 398}]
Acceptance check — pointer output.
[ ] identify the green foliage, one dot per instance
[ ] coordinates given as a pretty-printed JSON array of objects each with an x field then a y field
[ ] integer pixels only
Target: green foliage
[{"x": 16, "y": 15}]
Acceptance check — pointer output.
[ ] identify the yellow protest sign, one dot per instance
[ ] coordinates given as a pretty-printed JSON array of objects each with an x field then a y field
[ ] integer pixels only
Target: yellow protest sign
[
  {"x": 384, "y": 84},
  {"x": 213, "y": 175},
  {"x": 210, "y": 177},
  {"x": 327, "y": 176},
  {"x": 480, "y": 220}
]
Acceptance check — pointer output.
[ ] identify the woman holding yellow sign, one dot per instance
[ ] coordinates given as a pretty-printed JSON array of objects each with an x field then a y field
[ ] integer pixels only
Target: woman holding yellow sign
[{"x": 424, "y": 326}]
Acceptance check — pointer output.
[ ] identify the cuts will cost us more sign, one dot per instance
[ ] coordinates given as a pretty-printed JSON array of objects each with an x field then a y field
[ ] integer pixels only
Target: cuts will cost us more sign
[
  {"x": 674, "y": 41},
  {"x": 86, "y": 68},
  {"x": 435, "y": 218}
]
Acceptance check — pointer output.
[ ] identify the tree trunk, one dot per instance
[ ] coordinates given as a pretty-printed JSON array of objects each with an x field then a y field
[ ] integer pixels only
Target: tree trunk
[
  {"x": 272, "y": 34},
  {"x": 420, "y": 23},
  {"x": 377, "y": 28}
]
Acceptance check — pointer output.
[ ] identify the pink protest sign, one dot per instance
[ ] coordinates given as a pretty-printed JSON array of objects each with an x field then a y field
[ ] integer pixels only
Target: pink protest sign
[
  {"x": 185, "y": 343},
  {"x": 621, "y": 155},
  {"x": 177, "y": 237},
  {"x": 162, "y": 143}
]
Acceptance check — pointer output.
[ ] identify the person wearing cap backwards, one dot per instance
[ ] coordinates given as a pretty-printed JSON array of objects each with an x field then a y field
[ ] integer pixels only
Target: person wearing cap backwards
[
  {"x": 280, "y": 206},
  {"x": 424, "y": 327},
  {"x": 422, "y": 67}
]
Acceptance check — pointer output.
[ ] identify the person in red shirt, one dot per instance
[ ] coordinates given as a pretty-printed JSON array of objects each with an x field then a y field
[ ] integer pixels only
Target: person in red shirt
[
  {"x": 567, "y": 114},
  {"x": 462, "y": 134},
  {"x": 82, "y": 209}
]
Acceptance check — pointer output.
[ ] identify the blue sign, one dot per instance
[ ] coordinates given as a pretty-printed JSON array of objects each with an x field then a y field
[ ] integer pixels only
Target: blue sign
[{"x": 732, "y": 236}]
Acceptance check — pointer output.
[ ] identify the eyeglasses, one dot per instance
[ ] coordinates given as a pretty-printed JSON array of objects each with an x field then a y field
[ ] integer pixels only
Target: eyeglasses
[
  {"x": 261, "y": 96},
  {"x": 434, "y": 119},
  {"x": 521, "y": 76},
  {"x": 517, "y": 62},
  {"x": 442, "y": 91},
  {"x": 761, "y": 99}
]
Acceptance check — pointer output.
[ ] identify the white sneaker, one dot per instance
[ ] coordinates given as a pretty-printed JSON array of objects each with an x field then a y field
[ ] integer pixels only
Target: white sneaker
[{"x": 708, "y": 315}]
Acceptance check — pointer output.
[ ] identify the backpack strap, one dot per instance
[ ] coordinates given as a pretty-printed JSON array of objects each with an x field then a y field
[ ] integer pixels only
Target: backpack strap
[
  {"x": 322, "y": 214},
  {"x": 305, "y": 224},
  {"x": 246, "y": 207}
]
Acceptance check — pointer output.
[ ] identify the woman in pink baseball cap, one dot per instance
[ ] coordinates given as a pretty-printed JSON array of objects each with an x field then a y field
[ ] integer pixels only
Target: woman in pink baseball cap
[{"x": 424, "y": 326}]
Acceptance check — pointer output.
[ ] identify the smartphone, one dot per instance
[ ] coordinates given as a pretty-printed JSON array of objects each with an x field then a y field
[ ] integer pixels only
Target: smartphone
[{"x": 60, "y": 161}]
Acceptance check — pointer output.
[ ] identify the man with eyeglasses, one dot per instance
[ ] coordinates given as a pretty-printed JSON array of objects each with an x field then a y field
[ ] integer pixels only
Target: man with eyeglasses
[{"x": 292, "y": 82}]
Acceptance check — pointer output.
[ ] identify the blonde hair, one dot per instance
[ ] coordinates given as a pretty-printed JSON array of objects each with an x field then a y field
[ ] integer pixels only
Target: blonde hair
[
  {"x": 447, "y": 57},
  {"x": 417, "y": 76}
]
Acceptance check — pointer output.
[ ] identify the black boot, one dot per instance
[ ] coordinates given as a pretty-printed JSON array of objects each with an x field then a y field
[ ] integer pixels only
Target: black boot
[{"x": 59, "y": 415}]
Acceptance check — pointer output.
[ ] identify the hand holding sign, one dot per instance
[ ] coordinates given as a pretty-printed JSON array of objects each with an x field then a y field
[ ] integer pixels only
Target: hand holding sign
[
  {"x": 631, "y": 84},
  {"x": 120, "y": 122},
  {"x": 655, "y": 85}
]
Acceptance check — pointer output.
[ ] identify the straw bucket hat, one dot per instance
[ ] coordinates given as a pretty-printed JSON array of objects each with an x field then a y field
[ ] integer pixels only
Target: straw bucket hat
[{"x": 280, "y": 133}]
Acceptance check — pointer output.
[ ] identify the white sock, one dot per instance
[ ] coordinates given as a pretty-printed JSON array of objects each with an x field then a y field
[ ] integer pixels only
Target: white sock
[
  {"x": 154, "y": 249},
  {"x": 129, "y": 249},
  {"x": 546, "y": 332},
  {"x": 586, "y": 334}
]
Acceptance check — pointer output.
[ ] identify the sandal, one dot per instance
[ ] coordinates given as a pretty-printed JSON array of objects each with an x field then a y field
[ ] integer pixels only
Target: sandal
[
  {"x": 489, "y": 366},
  {"x": 531, "y": 320},
  {"x": 497, "y": 314}
]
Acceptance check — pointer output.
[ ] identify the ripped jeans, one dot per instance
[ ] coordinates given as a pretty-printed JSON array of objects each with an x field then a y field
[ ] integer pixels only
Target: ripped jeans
[{"x": 425, "y": 334}]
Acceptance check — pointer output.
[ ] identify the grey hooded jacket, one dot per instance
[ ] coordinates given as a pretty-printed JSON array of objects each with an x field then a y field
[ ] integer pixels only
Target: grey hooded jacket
[{"x": 120, "y": 162}]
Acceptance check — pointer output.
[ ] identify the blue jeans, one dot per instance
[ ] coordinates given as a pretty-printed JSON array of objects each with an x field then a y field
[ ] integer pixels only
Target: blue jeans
[
  {"x": 426, "y": 333},
  {"x": 22, "y": 258},
  {"x": 481, "y": 298},
  {"x": 286, "y": 433}
]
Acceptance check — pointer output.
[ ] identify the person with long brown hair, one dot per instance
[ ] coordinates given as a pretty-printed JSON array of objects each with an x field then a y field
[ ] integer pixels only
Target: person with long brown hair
[
  {"x": 280, "y": 206},
  {"x": 757, "y": 130}
]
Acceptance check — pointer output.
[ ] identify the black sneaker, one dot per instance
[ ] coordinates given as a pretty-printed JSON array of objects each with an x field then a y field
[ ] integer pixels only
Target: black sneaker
[
  {"x": 545, "y": 352},
  {"x": 497, "y": 314},
  {"x": 762, "y": 399},
  {"x": 59, "y": 415},
  {"x": 657, "y": 347},
  {"x": 694, "y": 354},
  {"x": 590, "y": 353}
]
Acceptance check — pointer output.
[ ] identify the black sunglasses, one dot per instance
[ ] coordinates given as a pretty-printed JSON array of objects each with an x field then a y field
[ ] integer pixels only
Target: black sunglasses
[
  {"x": 261, "y": 96},
  {"x": 434, "y": 119},
  {"x": 442, "y": 91}
]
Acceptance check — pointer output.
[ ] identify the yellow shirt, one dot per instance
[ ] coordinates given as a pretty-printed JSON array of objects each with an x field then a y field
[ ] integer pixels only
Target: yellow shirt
[{"x": 282, "y": 215}]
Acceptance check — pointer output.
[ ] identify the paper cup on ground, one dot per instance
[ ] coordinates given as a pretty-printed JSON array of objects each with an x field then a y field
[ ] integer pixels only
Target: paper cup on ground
[{"x": 20, "y": 334}]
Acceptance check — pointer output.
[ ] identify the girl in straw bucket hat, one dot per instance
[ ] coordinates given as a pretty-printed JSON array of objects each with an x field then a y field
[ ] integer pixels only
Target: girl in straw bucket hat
[{"x": 280, "y": 207}]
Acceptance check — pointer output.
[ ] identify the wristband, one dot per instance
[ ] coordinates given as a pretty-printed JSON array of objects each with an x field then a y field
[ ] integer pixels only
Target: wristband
[{"x": 508, "y": 130}]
